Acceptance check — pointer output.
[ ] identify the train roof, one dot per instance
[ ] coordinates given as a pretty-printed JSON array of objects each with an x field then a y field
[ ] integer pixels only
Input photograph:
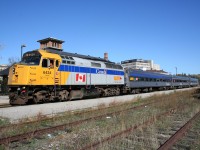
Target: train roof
[
  {"x": 145, "y": 74},
  {"x": 78, "y": 55}
]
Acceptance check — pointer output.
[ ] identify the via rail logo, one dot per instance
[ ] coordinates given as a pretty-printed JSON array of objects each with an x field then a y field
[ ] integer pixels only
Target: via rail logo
[{"x": 101, "y": 71}]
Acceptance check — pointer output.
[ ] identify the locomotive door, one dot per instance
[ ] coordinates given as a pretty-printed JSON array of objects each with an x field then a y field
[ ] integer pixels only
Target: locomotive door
[
  {"x": 88, "y": 81},
  {"x": 47, "y": 72}
]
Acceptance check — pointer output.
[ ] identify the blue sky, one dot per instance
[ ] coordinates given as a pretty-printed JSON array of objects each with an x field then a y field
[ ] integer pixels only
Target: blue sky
[{"x": 166, "y": 31}]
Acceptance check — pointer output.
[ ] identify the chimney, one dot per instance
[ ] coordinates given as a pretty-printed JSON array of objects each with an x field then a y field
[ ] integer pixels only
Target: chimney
[{"x": 106, "y": 56}]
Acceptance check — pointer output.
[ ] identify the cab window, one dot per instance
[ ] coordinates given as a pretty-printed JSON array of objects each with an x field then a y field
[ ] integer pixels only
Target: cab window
[
  {"x": 57, "y": 63},
  {"x": 44, "y": 63},
  {"x": 48, "y": 63},
  {"x": 51, "y": 64}
]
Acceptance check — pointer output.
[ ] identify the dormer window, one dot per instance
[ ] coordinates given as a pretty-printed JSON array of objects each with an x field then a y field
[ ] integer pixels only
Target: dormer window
[{"x": 54, "y": 44}]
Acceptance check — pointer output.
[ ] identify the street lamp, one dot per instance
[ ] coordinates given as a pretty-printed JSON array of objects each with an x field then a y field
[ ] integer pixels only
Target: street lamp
[
  {"x": 23, "y": 45},
  {"x": 176, "y": 70}
]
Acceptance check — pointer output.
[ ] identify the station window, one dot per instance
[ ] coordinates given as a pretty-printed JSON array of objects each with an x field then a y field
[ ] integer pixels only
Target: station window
[{"x": 54, "y": 44}]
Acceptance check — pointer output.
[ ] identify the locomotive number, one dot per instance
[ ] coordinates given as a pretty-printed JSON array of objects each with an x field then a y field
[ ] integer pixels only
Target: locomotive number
[{"x": 46, "y": 72}]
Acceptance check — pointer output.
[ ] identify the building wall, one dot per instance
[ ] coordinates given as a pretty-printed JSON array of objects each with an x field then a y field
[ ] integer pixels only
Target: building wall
[
  {"x": 2, "y": 67},
  {"x": 156, "y": 67},
  {"x": 141, "y": 64}
]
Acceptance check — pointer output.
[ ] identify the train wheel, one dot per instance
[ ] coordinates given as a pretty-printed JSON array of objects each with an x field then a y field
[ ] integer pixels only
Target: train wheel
[
  {"x": 34, "y": 101},
  {"x": 63, "y": 95},
  {"x": 133, "y": 91}
]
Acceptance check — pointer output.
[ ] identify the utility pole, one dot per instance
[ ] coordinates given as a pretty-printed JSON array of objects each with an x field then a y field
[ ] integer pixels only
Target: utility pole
[{"x": 176, "y": 70}]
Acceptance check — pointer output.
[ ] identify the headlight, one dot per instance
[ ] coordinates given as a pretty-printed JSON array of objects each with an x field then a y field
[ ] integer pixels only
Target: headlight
[{"x": 13, "y": 70}]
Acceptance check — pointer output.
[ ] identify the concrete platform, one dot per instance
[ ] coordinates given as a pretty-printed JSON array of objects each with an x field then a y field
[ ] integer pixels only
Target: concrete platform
[{"x": 4, "y": 100}]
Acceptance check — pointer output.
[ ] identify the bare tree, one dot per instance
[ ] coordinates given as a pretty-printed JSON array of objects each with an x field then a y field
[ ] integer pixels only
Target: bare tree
[{"x": 13, "y": 60}]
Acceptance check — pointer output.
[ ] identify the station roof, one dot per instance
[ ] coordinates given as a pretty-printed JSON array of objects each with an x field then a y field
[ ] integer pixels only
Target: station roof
[{"x": 50, "y": 39}]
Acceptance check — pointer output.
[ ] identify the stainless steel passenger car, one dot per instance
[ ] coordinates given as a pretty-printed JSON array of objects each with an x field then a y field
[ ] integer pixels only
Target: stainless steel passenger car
[{"x": 138, "y": 80}]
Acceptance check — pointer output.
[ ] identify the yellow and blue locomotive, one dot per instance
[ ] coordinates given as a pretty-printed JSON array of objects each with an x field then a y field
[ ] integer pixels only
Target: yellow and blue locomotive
[{"x": 49, "y": 74}]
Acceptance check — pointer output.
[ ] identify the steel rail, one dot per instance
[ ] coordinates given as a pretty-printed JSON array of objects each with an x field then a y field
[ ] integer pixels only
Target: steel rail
[
  {"x": 179, "y": 134},
  {"x": 44, "y": 118},
  {"x": 126, "y": 132},
  {"x": 38, "y": 132}
]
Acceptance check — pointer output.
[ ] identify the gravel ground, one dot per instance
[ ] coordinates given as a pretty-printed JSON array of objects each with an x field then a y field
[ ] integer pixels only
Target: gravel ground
[{"x": 22, "y": 112}]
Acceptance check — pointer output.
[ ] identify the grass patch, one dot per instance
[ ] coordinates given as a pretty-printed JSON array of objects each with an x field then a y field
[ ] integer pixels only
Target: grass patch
[{"x": 4, "y": 121}]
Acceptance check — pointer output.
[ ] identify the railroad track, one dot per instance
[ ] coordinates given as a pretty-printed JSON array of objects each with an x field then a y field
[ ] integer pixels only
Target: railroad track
[
  {"x": 110, "y": 140},
  {"x": 124, "y": 132},
  {"x": 45, "y": 118},
  {"x": 131, "y": 138},
  {"x": 32, "y": 134},
  {"x": 188, "y": 142},
  {"x": 179, "y": 134}
]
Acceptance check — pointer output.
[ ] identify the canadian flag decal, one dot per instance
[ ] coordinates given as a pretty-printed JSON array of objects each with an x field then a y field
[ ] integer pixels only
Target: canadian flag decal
[{"x": 80, "y": 77}]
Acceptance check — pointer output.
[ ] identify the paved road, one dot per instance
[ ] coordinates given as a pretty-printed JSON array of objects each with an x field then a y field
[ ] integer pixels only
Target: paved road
[
  {"x": 4, "y": 100},
  {"x": 20, "y": 112}
]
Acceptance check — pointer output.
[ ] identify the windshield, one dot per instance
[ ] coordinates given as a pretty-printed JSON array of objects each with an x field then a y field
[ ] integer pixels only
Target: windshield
[{"x": 31, "y": 58}]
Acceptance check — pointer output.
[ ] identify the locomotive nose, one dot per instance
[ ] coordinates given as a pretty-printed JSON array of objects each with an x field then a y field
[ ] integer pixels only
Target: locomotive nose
[{"x": 17, "y": 75}]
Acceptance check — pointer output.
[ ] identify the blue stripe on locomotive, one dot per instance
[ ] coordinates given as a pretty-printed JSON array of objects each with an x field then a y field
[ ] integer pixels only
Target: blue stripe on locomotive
[{"x": 79, "y": 69}]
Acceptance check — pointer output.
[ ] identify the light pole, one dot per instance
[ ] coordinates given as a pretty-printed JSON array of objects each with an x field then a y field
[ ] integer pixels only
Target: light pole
[
  {"x": 23, "y": 45},
  {"x": 176, "y": 70}
]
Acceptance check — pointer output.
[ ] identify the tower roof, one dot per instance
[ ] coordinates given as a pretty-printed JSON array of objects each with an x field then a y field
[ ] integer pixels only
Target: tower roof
[
  {"x": 51, "y": 43},
  {"x": 50, "y": 39}
]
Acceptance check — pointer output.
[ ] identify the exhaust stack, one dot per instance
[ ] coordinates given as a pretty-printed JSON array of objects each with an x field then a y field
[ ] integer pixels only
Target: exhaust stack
[{"x": 106, "y": 56}]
